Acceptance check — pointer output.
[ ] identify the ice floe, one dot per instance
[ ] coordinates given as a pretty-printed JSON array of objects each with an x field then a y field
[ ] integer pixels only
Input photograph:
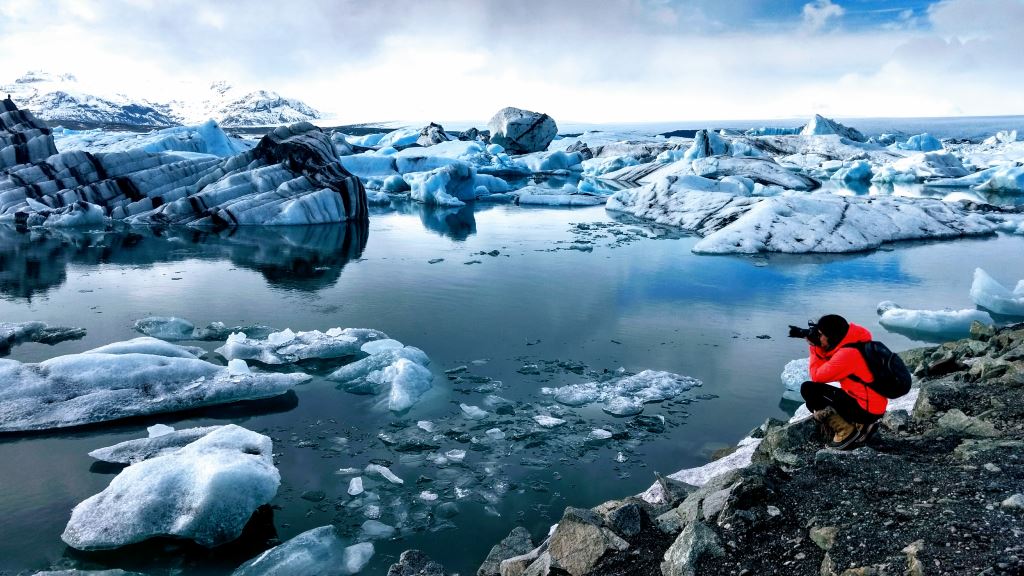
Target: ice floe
[
  {"x": 398, "y": 370},
  {"x": 97, "y": 386},
  {"x": 624, "y": 395},
  {"x": 287, "y": 347},
  {"x": 796, "y": 223},
  {"x": 933, "y": 323},
  {"x": 318, "y": 551},
  {"x": 205, "y": 491},
  {"x": 988, "y": 293},
  {"x": 14, "y": 333},
  {"x": 165, "y": 442}
]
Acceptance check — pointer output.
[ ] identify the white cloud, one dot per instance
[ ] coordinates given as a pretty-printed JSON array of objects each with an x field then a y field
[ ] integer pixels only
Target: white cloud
[{"x": 817, "y": 14}]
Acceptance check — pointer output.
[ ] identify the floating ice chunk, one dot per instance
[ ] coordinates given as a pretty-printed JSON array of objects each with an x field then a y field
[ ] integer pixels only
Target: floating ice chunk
[
  {"x": 14, "y": 333},
  {"x": 455, "y": 455},
  {"x": 383, "y": 472},
  {"x": 856, "y": 171},
  {"x": 930, "y": 322},
  {"x": 991, "y": 295},
  {"x": 546, "y": 421},
  {"x": 428, "y": 496},
  {"x": 286, "y": 347},
  {"x": 165, "y": 327},
  {"x": 543, "y": 196},
  {"x": 602, "y": 166},
  {"x": 1001, "y": 137},
  {"x": 149, "y": 345},
  {"x": 355, "y": 486},
  {"x": 376, "y": 530},
  {"x": 381, "y": 346},
  {"x": 622, "y": 406},
  {"x": 400, "y": 371},
  {"x": 158, "y": 443},
  {"x": 204, "y": 492},
  {"x": 921, "y": 167},
  {"x": 921, "y": 143},
  {"x": 495, "y": 434},
  {"x": 97, "y": 387},
  {"x": 647, "y": 386},
  {"x": 1009, "y": 179},
  {"x": 600, "y": 434},
  {"x": 473, "y": 412},
  {"x": 408, "y": 381},
  {"x": 794, "y": 374},
  {"x": 426, "y": 425},
  {"x": 159, "y": 430},
  {"x": 550, "y": 161},
  {"x": 348, "y": 471},
  {"x": 318, "y": 551}
]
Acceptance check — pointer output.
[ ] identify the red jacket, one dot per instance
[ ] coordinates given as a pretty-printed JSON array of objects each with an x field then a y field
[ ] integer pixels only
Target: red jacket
[{"x": 838, "y": 364}]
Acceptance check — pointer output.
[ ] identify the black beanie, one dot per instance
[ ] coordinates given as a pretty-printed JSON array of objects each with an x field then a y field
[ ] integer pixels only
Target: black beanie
[{"x": 834, "y": 327}]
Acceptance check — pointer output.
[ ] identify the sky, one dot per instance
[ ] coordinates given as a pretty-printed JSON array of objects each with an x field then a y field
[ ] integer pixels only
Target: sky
[{"x": 600, "y": 61}]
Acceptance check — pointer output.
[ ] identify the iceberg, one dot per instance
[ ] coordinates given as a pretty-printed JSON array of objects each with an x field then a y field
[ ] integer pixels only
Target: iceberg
[
  {"x": 149, "y": 345},
  {"x": 625, "y": 393},
  {"x": 287, "y": 347},
  {"x": 93, "y": 387},
  {"x": 319, "y": 551},
  {"x": 205, "y": 491},
  {"x": 206, "y": 138},
  {"x": 820, "y": 126},
  {"x": 920, "y": 143},
  {"x": 991, "y": 295},
  {"x": 796, "y": 223},
  {"x": 165, "y": 327},
  {"x": 568, "y": 196},
  {"x": 134, "y": 451},
  {"x": 14, "y": 333},
  {"x": 856, "y": 171},
  {"x": 922, "y": 167},
  {"x": 401, "y": 371},
  {"x": 794, "y": 374},
  {"x": 934, "y": 323},
  {"x": 1009, "y": 179}
]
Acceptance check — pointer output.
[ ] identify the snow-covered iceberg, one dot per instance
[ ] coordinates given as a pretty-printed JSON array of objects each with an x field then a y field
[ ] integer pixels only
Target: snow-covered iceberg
[
  {"x": 988, "y": 293},
  {"x": 205, "y": 491},
  {"x": 624, "y": 395},
  {"x": 794, "y": 374},
  {"x": 922, "y": 167},
  {"x": 319, "y": 551},
  {"x": 134, "y": 451},
  {"x": 287, "y": 347},
  {"x": 92, "y": 387},
  {"x": 796, "y": 223},
  {"x": 930, "y": 323},
  {"x": 204, "y": 138},
  {"x": 820, "y": 126}
]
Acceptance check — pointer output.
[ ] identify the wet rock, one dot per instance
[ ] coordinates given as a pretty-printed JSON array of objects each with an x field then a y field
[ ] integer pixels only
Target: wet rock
[
  {"x": 957, "y": 423},
  {"x": 695, "y": 542},
  {"x": 626, "y": 520},
  {"x": 914, "y": 565},
  {"x": 824, "y": 536},
  {"x": 432, "y": 134},
  {"x": 981, "y": 331},
  {"x": 416, "y": 563},
  {"x": 580, "y": 541},
  {"x": 1015, "y": 502},
  {"x": 517, "y": 543},
  {"x": 521, "y": 131}
]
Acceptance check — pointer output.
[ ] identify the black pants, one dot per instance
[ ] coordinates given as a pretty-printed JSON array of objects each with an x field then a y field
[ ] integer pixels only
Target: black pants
[{"x": 820, "y": 396}]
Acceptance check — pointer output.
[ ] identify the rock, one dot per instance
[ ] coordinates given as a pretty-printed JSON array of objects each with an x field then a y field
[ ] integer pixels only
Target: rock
[
  {"x": 981, "y": 331},
  {"x": 673, "y": 491},
  {"x": 517, "y": 543},
  {"x": 957, "y": 423},
  {"x": 521, "y": 131},
  {"x": 626, "y": 520},
  {"x": 781, "y": 438},
  {"x": 579, "y": 542},
  {"x": 824, "y": 536},
  {"x": 517, "y": 565},
  {"x": 715, "y": 503},
  {"x": 540, "y": 567},
  {"x": 416, "y": 563},
  {"x": 989, "y": 368},
  {"x": 896, "y": 420},
  {"x": 432, "y": 134},
  {"x": 695, "y": 542},
  {"x": 914, "y": 565},
  {"x": 670, "y": 523},
  {"x": 1015, "y": 502},
  {"x": 205, "y": 492}
]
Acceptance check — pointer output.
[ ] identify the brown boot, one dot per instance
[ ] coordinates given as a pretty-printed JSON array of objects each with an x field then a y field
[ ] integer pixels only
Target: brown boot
[
  {"x": 821, "y": 417},
  {"x": 846, "y": 433}
]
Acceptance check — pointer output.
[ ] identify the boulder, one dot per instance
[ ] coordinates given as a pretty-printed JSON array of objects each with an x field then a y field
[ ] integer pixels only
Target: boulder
[
  {"x": 955, "y": 422},
  {"x": 521, "y": 131},
  {"x": 580, "y": 541},
  {"x": 416, "y": 563},
  {"x": 695, "y": 542},
  {"x": 432, "y": 134},
  {"x": 517, "y": 543}
]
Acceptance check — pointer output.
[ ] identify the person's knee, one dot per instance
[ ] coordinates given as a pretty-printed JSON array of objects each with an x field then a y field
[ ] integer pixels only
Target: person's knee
[{"x": 808, "y": 388}]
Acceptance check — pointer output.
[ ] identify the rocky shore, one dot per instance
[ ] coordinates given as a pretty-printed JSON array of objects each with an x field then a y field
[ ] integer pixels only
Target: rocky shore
[{"x": 937, "y": 491}]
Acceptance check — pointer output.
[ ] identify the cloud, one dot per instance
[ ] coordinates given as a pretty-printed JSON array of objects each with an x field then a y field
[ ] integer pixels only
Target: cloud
[
  {"x": 817, "y": 14},
  {"x": 613, "y": 61}
]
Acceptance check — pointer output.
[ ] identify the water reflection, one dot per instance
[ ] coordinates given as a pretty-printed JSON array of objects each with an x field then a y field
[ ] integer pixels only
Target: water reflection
[{"x": 293, "y": 257}]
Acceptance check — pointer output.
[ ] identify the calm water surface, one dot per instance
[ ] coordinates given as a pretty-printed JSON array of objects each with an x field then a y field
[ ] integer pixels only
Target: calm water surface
[{"x": 618, "y": 295}]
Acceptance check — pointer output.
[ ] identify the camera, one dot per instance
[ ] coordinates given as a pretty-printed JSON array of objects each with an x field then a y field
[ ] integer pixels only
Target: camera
[{"x": 811, "y": 332}]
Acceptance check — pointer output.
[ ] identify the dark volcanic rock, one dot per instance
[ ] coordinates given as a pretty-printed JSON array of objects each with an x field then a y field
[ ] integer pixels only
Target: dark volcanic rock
[
  {"x": 521, "y": 131},
  {"x": 416, "y": 563},
  {"x": 517, "y": 543}
]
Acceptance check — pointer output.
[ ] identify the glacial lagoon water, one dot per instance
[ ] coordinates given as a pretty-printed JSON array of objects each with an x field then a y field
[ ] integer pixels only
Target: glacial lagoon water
[{"x": 569, "y": 292}]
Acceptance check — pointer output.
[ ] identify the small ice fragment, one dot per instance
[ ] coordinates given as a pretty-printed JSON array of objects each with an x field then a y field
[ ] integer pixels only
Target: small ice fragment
[
  {"x": 600, "y": 434},
  {"x": 375, "y": 530},
  {"x": 357, "y": 556},
  {"x": 548, "y": 421},
  {"x": 428, "y": 496},
  {"x": 461, "y": 493},
  {"x": 455, "y": 455},
  {"x": 348, "y": 471},
  {"x": 495, "y": 434},
  {"x": 426, "y": 425},
  {"x": 620, "y": 457},
  {"x": 384, "y": 472},
  {"x": 371, "y": 511},
  {"x": 238, "y": 367},
  {"x": 376, "y": 346},
  {"x": 473, "y": 412},
  {"x": 159, "y": 430},
  {"x": 281, "y": 338},
  {"x": 355, "y": 486}
]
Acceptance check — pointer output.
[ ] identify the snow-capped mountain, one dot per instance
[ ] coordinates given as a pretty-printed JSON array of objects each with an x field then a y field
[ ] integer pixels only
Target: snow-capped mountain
[
  {"x": 61, "y": 99},
  {"x": 232, "y": 107}
]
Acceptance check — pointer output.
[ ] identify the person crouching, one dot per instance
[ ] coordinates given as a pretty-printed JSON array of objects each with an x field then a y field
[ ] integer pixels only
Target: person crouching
[{"x": 851, "y": 412}]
